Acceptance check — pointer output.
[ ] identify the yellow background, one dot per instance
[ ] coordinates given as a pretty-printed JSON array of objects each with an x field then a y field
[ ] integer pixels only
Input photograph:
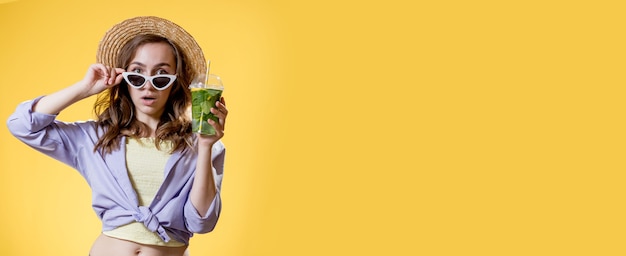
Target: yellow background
[{"x": 359, "y": 127}]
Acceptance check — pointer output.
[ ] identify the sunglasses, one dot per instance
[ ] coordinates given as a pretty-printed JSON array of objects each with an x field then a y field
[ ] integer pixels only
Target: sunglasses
[{"x": 159, "y": 82}]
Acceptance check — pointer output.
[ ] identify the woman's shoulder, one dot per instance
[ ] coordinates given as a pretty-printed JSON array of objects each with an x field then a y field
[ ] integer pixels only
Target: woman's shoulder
[
  {"x": 87, "y": 127},
  {"x": 84, "y": 124}
]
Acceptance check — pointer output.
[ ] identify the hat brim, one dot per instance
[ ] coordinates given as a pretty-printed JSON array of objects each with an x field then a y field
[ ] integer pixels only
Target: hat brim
[{"x": 121, "y": 33}]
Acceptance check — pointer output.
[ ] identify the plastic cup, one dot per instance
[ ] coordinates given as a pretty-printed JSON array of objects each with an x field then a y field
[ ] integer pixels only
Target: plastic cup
[{"x": 204, "y": 94}]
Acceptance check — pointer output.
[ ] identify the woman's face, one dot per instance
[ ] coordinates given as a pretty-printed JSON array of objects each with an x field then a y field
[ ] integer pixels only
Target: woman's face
[{"x": 151, "y": 59}]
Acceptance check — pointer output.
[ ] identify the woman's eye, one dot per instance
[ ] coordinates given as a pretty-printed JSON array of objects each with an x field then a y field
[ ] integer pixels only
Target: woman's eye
[
  {"x": 161, "y": 72},
  {"x": 136, "y": 70}
]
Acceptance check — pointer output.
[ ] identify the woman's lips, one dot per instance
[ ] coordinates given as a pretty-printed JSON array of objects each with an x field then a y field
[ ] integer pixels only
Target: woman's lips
[{"x": 147, "y": 100}]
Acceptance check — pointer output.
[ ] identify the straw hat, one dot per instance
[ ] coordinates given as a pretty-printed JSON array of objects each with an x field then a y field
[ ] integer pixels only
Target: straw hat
[{"x": 123, "y": 32}]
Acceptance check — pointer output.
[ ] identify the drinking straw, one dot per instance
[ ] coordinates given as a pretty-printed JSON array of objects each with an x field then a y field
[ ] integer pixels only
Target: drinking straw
[{"x": 208, "y": 65}]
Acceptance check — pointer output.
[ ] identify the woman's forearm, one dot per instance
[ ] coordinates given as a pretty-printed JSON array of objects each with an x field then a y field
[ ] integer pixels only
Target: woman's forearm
[
  {"x": 57, "y": 101},
  {"x": 203, "y": 190},
  {"x": 97, "y": 79}
]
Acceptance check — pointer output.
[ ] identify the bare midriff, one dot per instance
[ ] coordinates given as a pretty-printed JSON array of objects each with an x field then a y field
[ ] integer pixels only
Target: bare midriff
[{"x": 106, "y": 246}]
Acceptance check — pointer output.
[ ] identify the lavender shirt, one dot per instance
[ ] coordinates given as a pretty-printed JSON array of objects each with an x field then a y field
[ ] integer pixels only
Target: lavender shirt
[{"x": 113, "y": 198}]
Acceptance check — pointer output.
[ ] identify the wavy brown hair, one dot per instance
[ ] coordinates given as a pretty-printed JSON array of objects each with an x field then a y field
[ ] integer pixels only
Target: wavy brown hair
[{"x": 114, "y": 107}]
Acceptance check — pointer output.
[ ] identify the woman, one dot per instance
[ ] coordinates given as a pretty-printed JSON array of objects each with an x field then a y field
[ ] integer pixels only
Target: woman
[{"x": 154, "y": 182}]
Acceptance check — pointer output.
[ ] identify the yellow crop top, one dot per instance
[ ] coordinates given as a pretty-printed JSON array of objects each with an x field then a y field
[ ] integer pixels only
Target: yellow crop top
[{"x": 146, "y": 170}]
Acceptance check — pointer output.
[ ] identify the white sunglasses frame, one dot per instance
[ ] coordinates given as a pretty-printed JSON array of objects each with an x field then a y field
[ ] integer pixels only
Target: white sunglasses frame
[{"x": 149, "y": 78}]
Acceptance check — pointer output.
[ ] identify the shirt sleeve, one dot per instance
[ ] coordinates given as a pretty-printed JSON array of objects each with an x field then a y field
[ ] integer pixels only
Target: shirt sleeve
[
  {"x": 59, "y": 140},
  {"x": 195, "y": 222}
]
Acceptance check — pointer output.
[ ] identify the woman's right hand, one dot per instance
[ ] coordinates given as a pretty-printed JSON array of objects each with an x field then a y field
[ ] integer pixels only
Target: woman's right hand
[{"x": 100, "y": 77}]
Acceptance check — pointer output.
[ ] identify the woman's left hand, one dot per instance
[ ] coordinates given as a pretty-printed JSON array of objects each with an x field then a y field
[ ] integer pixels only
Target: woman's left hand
[{"x": 220, "y": 111}]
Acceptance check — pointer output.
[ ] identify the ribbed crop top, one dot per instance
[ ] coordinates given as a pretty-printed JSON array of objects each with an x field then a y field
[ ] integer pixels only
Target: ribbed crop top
[{"x": 146, "y": 165}]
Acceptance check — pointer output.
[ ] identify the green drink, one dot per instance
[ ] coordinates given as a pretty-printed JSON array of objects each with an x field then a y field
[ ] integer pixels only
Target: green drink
[{"x": 203, "y": 98}]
